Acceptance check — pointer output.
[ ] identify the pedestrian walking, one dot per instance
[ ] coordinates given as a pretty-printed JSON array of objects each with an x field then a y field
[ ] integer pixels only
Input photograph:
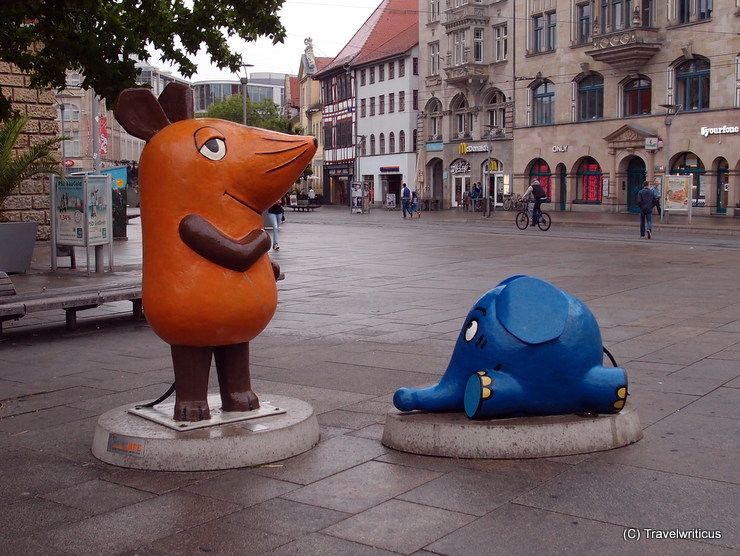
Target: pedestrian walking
[
  {"x": 406, "y": 200},
  {"x": 646, "y": 201},
  {"x": 274, "y": 214}
]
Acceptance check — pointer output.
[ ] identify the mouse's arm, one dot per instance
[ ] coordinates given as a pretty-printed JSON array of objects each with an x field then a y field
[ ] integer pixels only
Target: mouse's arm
[{"x": 239, "y": 255}]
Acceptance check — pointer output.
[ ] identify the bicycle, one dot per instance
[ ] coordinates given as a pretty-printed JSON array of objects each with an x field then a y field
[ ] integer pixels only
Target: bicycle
[
  {"x": 524, "y": 216},
  {"x": 513, "y": 203}
]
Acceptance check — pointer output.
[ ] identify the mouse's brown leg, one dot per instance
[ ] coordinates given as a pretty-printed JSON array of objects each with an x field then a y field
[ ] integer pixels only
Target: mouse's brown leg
[
  {"x": 232, "y": 365},
  {"x": 192, "y": 365}
]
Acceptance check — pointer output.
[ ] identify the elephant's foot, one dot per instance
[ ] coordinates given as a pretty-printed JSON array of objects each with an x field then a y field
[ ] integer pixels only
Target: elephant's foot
[
  {"x": 190, "y": 410},
  {"x": 240, "y": 401}
]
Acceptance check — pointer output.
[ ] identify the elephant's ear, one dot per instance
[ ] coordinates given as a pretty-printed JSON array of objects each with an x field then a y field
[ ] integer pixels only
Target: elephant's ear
[{"x": 532, "y": 310}]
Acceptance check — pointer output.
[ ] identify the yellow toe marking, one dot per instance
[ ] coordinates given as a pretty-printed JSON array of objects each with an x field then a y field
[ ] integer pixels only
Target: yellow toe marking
[
  {"x": 486, "y": 380},
  {"x": 619, "y": 404},
  {"x": 481, "y": 373},
  {"x": 622, "y": 393},
  {"x": 486, "y": 393}
]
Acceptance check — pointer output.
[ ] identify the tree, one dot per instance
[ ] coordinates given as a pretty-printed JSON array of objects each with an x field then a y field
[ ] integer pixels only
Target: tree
[
  {"x": 102, "y": 39},
  {"x": 264, "y": 113}
]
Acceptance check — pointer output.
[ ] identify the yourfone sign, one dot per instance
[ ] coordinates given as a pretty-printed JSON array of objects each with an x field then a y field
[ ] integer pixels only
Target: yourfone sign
[
  {"x": 707, "y": 131},
  {"x": 464, "y": 148}
]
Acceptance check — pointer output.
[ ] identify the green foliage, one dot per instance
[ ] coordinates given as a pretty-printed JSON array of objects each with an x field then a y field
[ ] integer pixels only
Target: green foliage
[
  {"x": 103, "y": 38},
  {"x": 265, "y": 114},
  {"x": 40, "y": 158}
]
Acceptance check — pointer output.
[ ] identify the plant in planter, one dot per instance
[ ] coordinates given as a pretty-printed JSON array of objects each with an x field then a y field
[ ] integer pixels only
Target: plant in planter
[{"x": 16, "y": 165}]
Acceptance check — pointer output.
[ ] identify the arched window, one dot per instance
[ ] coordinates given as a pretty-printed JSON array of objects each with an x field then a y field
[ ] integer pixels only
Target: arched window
[
  {"x": 372, "y": 144},
  {"x": 688, "y": 164},
  {"x": 402, "y": 141},
  {"x": 462, "y": 118},
  {"x": 495, "y": 112},
  {"x": 434, "y": 109},
  {"x": 543, "y": 100},
  {"x": 382, "y": 143},
  {"x": 637, "y": 97},
  {"x": 588, "y": 181},
  {"x": 692, "y": 84},
  {"x": 591, "y": 97},
  {"x": 541, "y": 170},
  {"x": 391, "y": 142},
  {"x": 414, "y": 140}
]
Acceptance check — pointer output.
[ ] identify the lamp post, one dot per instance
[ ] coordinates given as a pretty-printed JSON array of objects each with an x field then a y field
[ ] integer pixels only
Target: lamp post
[
  {"x": 671, "y": 111},
  {"x": 489, "y": 200},
  {"x": 244, "y": 80}
]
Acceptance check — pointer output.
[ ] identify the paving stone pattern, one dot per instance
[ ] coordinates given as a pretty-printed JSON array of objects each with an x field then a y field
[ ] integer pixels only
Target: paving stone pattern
[{"x": 371, "y": 303}]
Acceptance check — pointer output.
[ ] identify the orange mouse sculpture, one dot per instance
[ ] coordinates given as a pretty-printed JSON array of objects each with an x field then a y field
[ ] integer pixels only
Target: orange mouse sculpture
[{"x": 208, "y": 284}]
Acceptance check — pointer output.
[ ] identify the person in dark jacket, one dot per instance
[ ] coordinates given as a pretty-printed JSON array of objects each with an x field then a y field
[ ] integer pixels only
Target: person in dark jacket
[
  {"x": 538, "y": 192},
  {"x": 645, "y": 201}
]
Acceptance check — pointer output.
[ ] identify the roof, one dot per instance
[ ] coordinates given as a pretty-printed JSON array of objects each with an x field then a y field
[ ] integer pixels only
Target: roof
[{"x": 393, "y": 28}]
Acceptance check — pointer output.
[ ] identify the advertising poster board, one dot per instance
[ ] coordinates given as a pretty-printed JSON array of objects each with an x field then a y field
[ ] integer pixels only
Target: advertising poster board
[
  {"x": 69, "y": 211},
  {"x": 98, "y": 210},
  {"x": 676, "y": 193}
]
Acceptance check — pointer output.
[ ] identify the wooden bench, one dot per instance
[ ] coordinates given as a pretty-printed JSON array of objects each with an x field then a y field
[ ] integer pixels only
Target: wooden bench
[
  {"x": 304, "y": 204},
  {"x": 72, "y": 299}
]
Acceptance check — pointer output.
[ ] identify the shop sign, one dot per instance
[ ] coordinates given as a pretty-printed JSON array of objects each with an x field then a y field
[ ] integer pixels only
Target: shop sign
[
  {"x": 460, "y": 167},
  {"x": 560, "y": 148},
  {"x": 706, "y": 131},
  {"x": 464, "y": 148},
  {"x": 435, "y": 146},
  {"x": 651, "y": 143},
  {"x": 389, "y": 169}
]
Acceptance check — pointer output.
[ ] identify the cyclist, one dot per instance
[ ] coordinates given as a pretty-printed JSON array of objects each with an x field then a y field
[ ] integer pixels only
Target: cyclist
[{"x": 538, "y": 192}]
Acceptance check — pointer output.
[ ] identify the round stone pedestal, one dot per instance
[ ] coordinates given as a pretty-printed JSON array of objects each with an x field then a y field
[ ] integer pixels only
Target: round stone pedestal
[
  {"x": 454, "y": 435},
  {"x": 132, "y": 441}
]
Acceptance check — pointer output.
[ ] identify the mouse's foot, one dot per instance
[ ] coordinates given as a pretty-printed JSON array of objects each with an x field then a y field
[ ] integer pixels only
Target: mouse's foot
[
  {"x": 192, "y": 410},
  {"x": 240, "y": 401}
]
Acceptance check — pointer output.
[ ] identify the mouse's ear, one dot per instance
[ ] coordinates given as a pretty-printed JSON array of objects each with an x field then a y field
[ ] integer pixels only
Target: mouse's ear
[
  {"x": 177, "y": 102},
  {"x": 532, "y": 310},
  {"x": 139, "y": 113}
]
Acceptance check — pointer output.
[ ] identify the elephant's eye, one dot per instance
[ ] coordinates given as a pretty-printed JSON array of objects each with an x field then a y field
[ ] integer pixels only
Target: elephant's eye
[{"x": 471, "y": 330}]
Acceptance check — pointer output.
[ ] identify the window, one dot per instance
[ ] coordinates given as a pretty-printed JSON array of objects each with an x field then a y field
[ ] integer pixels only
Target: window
[
  {"x": 588, "y": 181},
  {"x": 391, "y": 103},
  {"x": 363, "y": 75},
  {"x": 591, "y": 98},
  {"x": 689, "y": 164},
  {"x": 434, "y": 109},
  {"x": 617, "y": 15},
  {"x": 363, "y": 108},
  {"x": 477, "y": 45},
  {"x": 326, "y": 96},
  {"x": 495, "y": 113},
  {"x": 463, "y": 117},
  {"x": 637, "y": 97},
  {"x": 414, "y": 138},
  {"x": 543, "y": 99},
  {"x": 551, "y": 30},
  {"x": 458, "y": 48},
  {"x": 434, "y": 58},
  {"x": 381, "y": 143},
  {"x": 372, "y": 106},
  {"x": 401, "y": 68},
  {"x": 415, "y": 66},
  {"x": 381, "y": 72},
  {"x": 372, "y": 144},
  {"x": 328, "y": 142},
  {"x": 381, "y": 104},
  {"x": 433, "y": 10},
  {"x": 372, "y": 75},
  {"x": 72, "y": 145},
  {"x": 402, "y": 141},
  {"x": 344, "y": 133},
  {"x": 415, "y": 100},
  {"x": 401, "y": 101},
  {"x": 344, "y": 86},
  {"x": 692, "y": 84},
  {"x": 538, "y": 33},
  {"x": 71, "y": 112},
  {"x": 501, "y": 43},
  {"x": 391, "y": 70},
  {"x": 391, "y": 143},
  {"x": 541, "y": 171},
  {"x": 584, "y": 23}
]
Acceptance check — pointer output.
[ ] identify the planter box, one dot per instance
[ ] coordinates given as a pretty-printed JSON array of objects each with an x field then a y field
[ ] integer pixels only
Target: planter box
[{"x": 17, "y": 240}]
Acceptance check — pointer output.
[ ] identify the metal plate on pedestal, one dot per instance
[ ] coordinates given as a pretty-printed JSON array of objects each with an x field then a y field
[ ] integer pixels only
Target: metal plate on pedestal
[{"x": 162, "y": 414}]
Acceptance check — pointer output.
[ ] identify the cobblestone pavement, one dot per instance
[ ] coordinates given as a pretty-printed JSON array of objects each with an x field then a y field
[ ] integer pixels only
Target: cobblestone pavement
[{"x": 371, "y": 303}]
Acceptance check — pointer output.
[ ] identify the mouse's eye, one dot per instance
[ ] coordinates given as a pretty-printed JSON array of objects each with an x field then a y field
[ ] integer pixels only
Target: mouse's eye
[
  {"x": 471, "y": 330},
  {"x": 215, "y": 149},
  {"x": 210, "y": 143}
]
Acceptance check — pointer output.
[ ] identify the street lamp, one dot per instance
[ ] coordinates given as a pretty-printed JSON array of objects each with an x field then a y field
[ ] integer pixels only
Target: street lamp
[
  {"x": 490, "y": 200},
  {"x": 671, "y": 111},
  {"x": 243, "y": 81}
]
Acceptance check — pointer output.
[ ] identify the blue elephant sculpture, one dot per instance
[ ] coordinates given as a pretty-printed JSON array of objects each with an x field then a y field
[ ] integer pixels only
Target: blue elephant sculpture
[{"x": 526, "y": 348}]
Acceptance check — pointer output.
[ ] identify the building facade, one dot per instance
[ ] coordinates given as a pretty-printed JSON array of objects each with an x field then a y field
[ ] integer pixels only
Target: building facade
[{"x": 592, "y": 98}]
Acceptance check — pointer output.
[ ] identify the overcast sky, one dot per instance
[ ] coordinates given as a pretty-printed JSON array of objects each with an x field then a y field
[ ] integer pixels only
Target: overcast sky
[{"x": 330, "y": 23}]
